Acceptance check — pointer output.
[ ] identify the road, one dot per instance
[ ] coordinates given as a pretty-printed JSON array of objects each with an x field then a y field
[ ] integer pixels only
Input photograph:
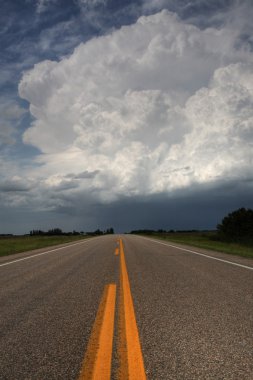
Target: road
[{"x": 193, "y": 312}]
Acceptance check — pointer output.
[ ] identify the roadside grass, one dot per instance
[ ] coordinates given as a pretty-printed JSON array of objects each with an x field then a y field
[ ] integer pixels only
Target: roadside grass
[
  {"x": 16, "y": 244},
  {"x": 207, "y": 240}
]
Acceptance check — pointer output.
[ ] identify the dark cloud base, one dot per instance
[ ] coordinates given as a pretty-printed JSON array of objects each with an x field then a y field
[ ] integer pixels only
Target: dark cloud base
[{"x": 200, "y": 209}]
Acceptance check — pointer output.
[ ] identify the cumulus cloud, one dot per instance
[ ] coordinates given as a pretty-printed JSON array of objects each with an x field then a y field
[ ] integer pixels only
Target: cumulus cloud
[
  {"x": 221, "y": 139},
  {"x": 156, "y": 106}
]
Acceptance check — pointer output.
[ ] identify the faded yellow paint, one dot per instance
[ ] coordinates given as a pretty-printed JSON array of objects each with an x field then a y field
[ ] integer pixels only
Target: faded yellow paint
[
  {"x": 130, "y": 353},
  {"x": 98, "y": 356}
]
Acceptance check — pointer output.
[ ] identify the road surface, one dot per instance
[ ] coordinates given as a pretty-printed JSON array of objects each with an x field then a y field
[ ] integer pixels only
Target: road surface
[{"x": 192, "y": 311}]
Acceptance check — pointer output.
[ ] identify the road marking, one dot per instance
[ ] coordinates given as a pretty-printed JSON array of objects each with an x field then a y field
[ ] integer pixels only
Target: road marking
[
  {"x": 131, "y": 360},
  {"x": 116, "y": 251},
  {"x": 43, "y": 253},
  {"x": 199, "y": 254},
  {"x": 98, "y": 357}
]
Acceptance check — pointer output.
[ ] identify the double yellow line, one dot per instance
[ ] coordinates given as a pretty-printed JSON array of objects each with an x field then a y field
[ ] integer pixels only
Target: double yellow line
[{"x": 98, "y": 356}]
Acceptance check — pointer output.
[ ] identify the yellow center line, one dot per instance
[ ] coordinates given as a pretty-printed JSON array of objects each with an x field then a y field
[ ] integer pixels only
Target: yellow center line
[
  {"x": 131, "y": 359},
  {"x": 116, "y": 251},
  {"x": 98, "y": 357}
]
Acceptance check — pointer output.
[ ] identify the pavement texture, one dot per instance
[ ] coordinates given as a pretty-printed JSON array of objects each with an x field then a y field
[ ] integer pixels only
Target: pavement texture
[{"x": 194, "y": 314}]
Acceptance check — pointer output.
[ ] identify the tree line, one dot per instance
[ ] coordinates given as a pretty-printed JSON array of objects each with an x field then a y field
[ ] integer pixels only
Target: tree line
[
  {"x": 236, "y": 227},
  {"x": 161, "y": 231},
  {"x": 59, "y": 232}
]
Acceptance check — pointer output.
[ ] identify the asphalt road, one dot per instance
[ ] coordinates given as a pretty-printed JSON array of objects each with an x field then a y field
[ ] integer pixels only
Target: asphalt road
[{"x": 194, "y": 313}]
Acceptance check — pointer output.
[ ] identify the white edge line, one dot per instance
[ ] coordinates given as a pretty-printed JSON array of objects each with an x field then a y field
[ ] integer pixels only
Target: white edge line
[
  {"x": 197, "y": 253},
  {"x": 43, "y": 253}
]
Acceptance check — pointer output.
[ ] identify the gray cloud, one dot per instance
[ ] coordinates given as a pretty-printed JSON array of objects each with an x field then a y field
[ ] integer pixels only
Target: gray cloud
[
  {"x": 201, "y": 208},
  {"x": 83, "y": 175},
  {"x": 16, "y": 184}
]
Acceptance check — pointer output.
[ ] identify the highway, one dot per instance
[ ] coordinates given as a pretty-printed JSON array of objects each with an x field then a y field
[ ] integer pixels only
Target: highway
[{"x": 125, "y": 307}]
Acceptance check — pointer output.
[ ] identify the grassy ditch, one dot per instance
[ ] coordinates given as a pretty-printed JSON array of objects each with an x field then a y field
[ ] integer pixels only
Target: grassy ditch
[
  {"x": 207, "y": 240},
  {"x": 16, "y": 244}
]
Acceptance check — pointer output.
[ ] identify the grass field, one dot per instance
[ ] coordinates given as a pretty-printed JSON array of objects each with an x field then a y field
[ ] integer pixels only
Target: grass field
[
  {"x": 206, "y": 240},
  {"x": 15, "y": 244}
]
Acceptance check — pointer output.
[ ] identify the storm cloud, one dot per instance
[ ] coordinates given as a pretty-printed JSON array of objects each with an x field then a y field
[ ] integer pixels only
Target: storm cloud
[{"x": 153, "y": 116}]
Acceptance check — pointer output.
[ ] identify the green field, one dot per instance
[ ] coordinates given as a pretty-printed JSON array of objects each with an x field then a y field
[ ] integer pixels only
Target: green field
[
  {"x": 206, "y": 240},
  {"x": 15, "y": 244}
]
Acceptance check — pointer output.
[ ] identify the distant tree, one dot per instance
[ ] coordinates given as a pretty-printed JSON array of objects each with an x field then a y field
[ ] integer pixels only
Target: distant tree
[
  {"x": 237, "y": 226},
  {"x": 36, "y": 233},
  {"x": 109, "y": 231},
  {"x": 142, "y": 232},
  {"x": 54, "y": 231},
  {"x": 98, "y": 232}
]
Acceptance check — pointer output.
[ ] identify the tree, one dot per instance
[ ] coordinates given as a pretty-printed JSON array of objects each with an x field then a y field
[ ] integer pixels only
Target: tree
[
  {"x": 54, "y": 231},
  {"x": 109, "y": 231},
  {"x": 98, "y": 232},
  {"x": 237, "y": 226},
  {"x": 36, "y": 232}
]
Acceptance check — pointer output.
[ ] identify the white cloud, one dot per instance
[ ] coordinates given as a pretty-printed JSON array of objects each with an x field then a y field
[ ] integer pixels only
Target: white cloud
[
  {"x": 152, "y": 107},
  {"x": 220, "y": 143}
]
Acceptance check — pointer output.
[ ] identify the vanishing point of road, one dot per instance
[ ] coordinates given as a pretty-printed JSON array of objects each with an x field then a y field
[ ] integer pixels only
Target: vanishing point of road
[{"x": 125, "y": 307}]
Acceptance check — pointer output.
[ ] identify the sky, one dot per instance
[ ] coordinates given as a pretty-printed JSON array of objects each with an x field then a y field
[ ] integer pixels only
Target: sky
[{"x": 125, "y": 114}]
